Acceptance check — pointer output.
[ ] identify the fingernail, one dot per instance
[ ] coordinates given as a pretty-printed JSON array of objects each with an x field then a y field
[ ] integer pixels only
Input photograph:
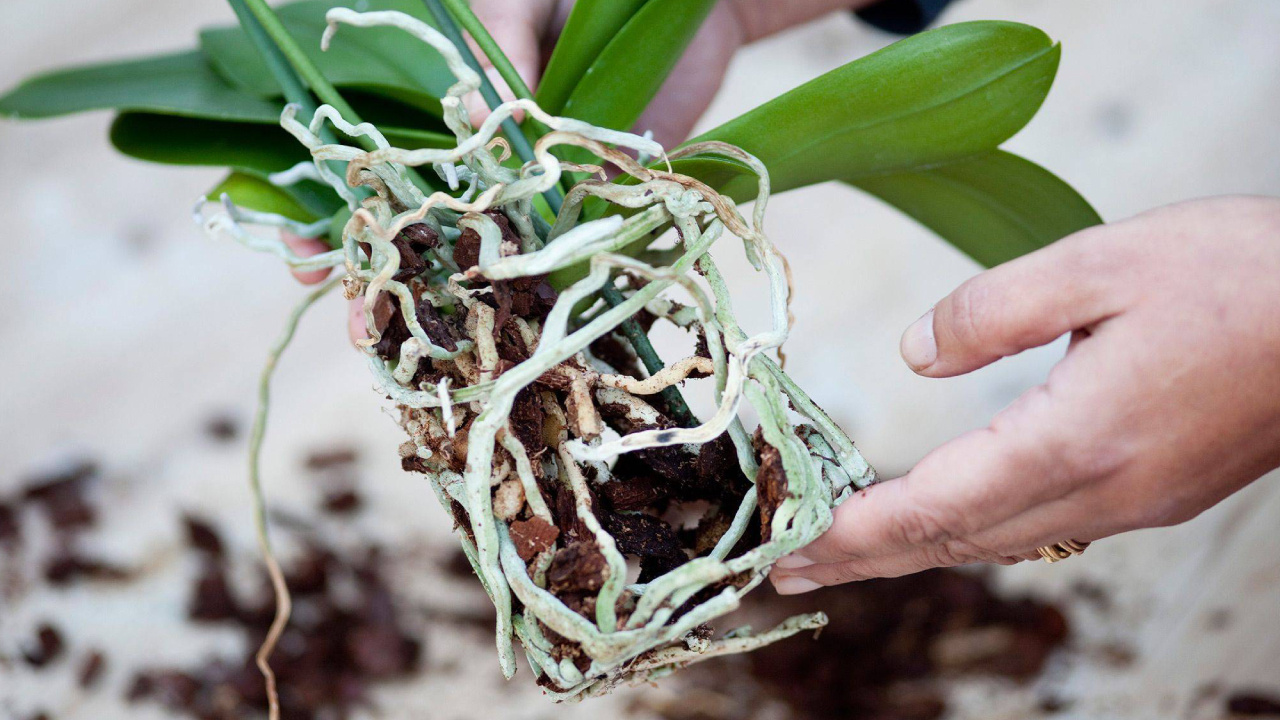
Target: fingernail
[
  {"x": 795, "y": 561},
  {"x": 919, "y": 348},
  {"x": 795, "y": 586}
]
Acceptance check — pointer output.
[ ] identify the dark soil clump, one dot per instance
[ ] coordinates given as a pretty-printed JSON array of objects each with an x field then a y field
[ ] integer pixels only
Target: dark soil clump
[
  {"x": 532, "y": 537},
  {"x": 91, "y": 668},
  {"x": 222, "y": 428},
  {"x": 346, "y": 633},
  {"x": 888, "y": 645},
  {"x": 46, "y": 647},
  {"x": 331, "y": 458},
  {"x": 1253, "y": 704},
  {"x": 577, "y": 568},
  {"x": 62, "y": 497}
]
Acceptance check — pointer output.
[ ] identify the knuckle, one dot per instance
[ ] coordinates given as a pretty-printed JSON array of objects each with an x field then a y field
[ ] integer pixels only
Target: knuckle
[
  {"x": 967, "y": 312},
  {"x": 847, "y": 573},
  {"x": 920, "y": 527},
  {"x": 1165, "y": 511},
  {"x": 957, "y": 551}
]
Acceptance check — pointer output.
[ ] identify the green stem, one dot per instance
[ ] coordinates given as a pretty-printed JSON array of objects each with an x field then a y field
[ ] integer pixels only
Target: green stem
[
  {"x": 302, "y": 64},
  {"x": 519, "y": 143},
  {"x": 465, "y": 17},
  {"x": 644, "y": 350},
  {"x": 294, "y": 89}
]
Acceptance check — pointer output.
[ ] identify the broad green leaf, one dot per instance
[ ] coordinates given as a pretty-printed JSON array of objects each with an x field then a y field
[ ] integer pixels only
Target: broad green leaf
[
  {"x": 179, "y": 84},
  {"x": 590, "y": 27},
  {"x": 628, "y": 72},
  {"x": 248, "y": 146},
  {"x": 994, "y": 207},
  {"x": 933, "y": 98},
  {"x": 385, "y": 61},
  {"x": 194, "y": 141},
  {"x": 305, "y": 202}
]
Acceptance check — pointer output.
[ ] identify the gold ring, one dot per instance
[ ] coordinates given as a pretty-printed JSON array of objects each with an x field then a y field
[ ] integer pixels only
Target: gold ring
[{"x": 1062, "y": 551}]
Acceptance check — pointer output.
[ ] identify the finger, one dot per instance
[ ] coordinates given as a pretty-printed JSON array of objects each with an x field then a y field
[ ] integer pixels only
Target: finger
[
  {"x": 1022, "y": 304},
  {"x": 795, "y": 582},
  {"x": 693, "y": 83},
  {"x": 1006, "y": 544},
  {"x": 517, "y": 28},
  {"x": 356, "y": 328},
  {"x": 306, "y": 247},
  {"x": 1039, "y": 449},
  {"x": 958, "y": 489}
]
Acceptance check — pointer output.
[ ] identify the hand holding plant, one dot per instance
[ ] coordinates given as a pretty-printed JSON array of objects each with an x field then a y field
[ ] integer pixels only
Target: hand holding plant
[{"x": 1167, "y": 402}]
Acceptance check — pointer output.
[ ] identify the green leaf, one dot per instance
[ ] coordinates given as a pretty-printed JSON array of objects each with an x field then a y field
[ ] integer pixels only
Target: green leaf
[
  {"x": 306, "y": 201},
  {"x": 994, "y": 207},
  {"x": 179, "y": 84},
  {"x": 628, "y": 72},
  {"x": 245, "y": 146},
  {"x": 590, "y": 27},
  {"x": 384, "y": 61},
  {"x": 194, "y": 141},
  {"x": 933, "y": 98}
]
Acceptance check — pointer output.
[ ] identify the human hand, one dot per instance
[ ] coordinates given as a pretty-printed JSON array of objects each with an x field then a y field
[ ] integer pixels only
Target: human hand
[{"x": 1167, "y": 401}]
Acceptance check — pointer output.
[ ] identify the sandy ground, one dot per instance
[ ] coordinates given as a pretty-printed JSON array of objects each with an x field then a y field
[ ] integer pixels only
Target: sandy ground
[{"x": 124, "y": 329}]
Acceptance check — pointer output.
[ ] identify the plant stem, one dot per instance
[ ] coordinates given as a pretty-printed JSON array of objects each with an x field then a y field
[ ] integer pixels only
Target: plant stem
[
  {"x": 519, "y": 143},
  {"x": 302, "y": 64},
  {"x": 639, "y": 341},
  {"x": 644, "y": 350},
  {"x": 462, "y": 12},
  {"x": 459, "y": 8},
  {"x": 294, "y": 89}
]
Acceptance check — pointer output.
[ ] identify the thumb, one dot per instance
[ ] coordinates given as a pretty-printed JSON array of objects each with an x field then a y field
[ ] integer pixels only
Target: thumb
[
  {"x": 517, "y": 28},
  {"x": 1022, "y": 304}
]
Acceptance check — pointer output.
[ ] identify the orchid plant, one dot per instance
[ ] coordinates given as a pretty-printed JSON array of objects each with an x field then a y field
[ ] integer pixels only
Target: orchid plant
[{"x": 509, "y": 275}]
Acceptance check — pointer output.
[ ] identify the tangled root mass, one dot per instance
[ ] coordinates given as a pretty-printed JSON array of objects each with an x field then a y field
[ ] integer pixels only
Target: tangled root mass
[{"x": 607, "y": 534}]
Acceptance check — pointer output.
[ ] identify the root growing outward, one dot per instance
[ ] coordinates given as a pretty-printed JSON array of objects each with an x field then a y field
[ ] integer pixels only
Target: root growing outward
[{"x": 557, "y": 456}]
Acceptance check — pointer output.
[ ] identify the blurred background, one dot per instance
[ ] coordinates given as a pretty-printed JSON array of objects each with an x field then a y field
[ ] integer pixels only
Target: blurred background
[{"x": 130, "y": 346}]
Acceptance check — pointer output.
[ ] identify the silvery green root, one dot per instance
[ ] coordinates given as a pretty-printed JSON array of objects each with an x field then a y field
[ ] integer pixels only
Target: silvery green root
[{"x": 470, "y": 367}]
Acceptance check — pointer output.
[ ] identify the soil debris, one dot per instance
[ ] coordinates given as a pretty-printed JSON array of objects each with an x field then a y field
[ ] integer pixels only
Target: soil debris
[
  {"x": 68, "y": 565},
  {"x": 10, "y": 525},
  {"x": 48, "y": 645},
  {"x": 62, "y": 496},
  {"x": 202, "y": 537},
  {"x": 891, "y": 631},
  {"x": 346, "y": 634},
  {"x": 412, "y": 243},
  {"x": 771, "y": 483},
  {"x": 222, "y": 427},
  {"x": 579, "y": 567},
  {"x": 91, "y": 668},
  {"x": 532, "y": 537},
  {"x": 342, "y": 502},
  {"x": 330, "y": 458},
  {"x": 211, "y": 596},
  {"x": 1253, "y": 704}
]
